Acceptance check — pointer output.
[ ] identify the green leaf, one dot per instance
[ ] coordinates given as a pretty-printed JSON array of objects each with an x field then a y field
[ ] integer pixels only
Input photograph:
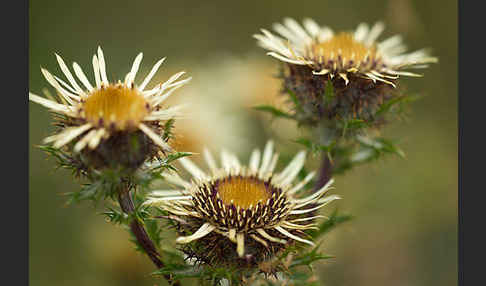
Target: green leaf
[
  {"x": 387, "y": 106},
  {"x": 294, "y": 99},
  {"x": 334, "y": 220},
  {"x": 303, "y": 279},
  {"x": 274, "y": 111},
  {"x": 353, "y": 124},
  {"x": 165, "y": 162},
  {"x": 390, "y": 147},
  {"x": 306, "y": 142},
  {"x": 380, "y": 145},
  {"x": 88, "y": 192},
  {"x": 356, "y": 123},
  {"x": 315, "y": 148},
  {"x": 172, "y": 157},
  {"x": 116, "y": 216},
  {"x": 65, "y": 160},
  {"x": 178, "y": 270},
  {"x": 308, "y": 258},
  {"x": 168, "y": 126},
  {"x": 205, "y": 273},
  {"x": 153, "y": 231}
]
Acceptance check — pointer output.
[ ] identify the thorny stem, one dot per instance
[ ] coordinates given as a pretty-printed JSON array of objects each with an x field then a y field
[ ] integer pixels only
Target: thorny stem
[
  {"x": 325, "y": 172},
  {"x": 127, "y": 206}
]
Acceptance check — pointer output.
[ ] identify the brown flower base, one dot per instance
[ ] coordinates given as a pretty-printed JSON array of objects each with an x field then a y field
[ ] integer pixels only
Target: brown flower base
[{"x": 359, "y": 99}]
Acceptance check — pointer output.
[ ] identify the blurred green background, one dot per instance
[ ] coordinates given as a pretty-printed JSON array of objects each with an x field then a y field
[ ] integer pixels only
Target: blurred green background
[{"x": 405, "y": 226}]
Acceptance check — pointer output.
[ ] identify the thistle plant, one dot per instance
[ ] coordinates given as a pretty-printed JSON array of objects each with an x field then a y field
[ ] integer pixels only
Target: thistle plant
[
  {"x": 107, "y": 133},
  {"x": 240, "y": 216},
  {"x": 237, "y": 223},
  {"x": 342, "y": 87}
]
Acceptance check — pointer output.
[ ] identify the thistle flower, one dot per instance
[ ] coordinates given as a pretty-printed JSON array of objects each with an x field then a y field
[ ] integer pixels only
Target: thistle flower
[
  {"x": 363, "y": 72},
  {"x": 110, "y": 122},
  {"x": 241, "y": 215}
]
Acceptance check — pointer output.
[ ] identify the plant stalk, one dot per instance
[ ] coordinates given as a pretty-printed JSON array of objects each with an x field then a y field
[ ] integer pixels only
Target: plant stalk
[
  {"x": 325, "y": 172},
  {"x": 127, "y": 206}
]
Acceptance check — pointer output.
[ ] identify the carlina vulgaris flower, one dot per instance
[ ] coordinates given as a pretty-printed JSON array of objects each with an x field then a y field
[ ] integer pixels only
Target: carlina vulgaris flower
[
  {"x": 363, "y": 71},
  {"x": 110, "y": 123},
  {"x": 241, "y": 215}
]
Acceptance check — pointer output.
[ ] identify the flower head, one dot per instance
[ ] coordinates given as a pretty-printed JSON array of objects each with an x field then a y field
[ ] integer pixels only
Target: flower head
[
  {"x": 241, "y": 215},
  {"x": 119, "y": 121},
  {"x": 345, "y": 53},
  {"x": 363, "y": 72}
]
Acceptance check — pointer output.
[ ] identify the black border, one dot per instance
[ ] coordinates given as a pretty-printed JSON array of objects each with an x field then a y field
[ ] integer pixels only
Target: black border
[
  {"x": 15, "y": 115},
  {"x": 471, "y": 119}
]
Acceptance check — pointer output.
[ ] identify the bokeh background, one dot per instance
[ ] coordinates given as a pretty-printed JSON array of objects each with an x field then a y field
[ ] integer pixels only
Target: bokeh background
[{"x": 405, "y": 226}]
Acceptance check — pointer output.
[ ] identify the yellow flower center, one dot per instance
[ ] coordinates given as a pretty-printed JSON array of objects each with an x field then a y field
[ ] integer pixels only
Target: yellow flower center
[
  {"x": 243, "y": 192},
  {"x": 116, "y": 106},
  {"x": 343, "y": 45}
]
